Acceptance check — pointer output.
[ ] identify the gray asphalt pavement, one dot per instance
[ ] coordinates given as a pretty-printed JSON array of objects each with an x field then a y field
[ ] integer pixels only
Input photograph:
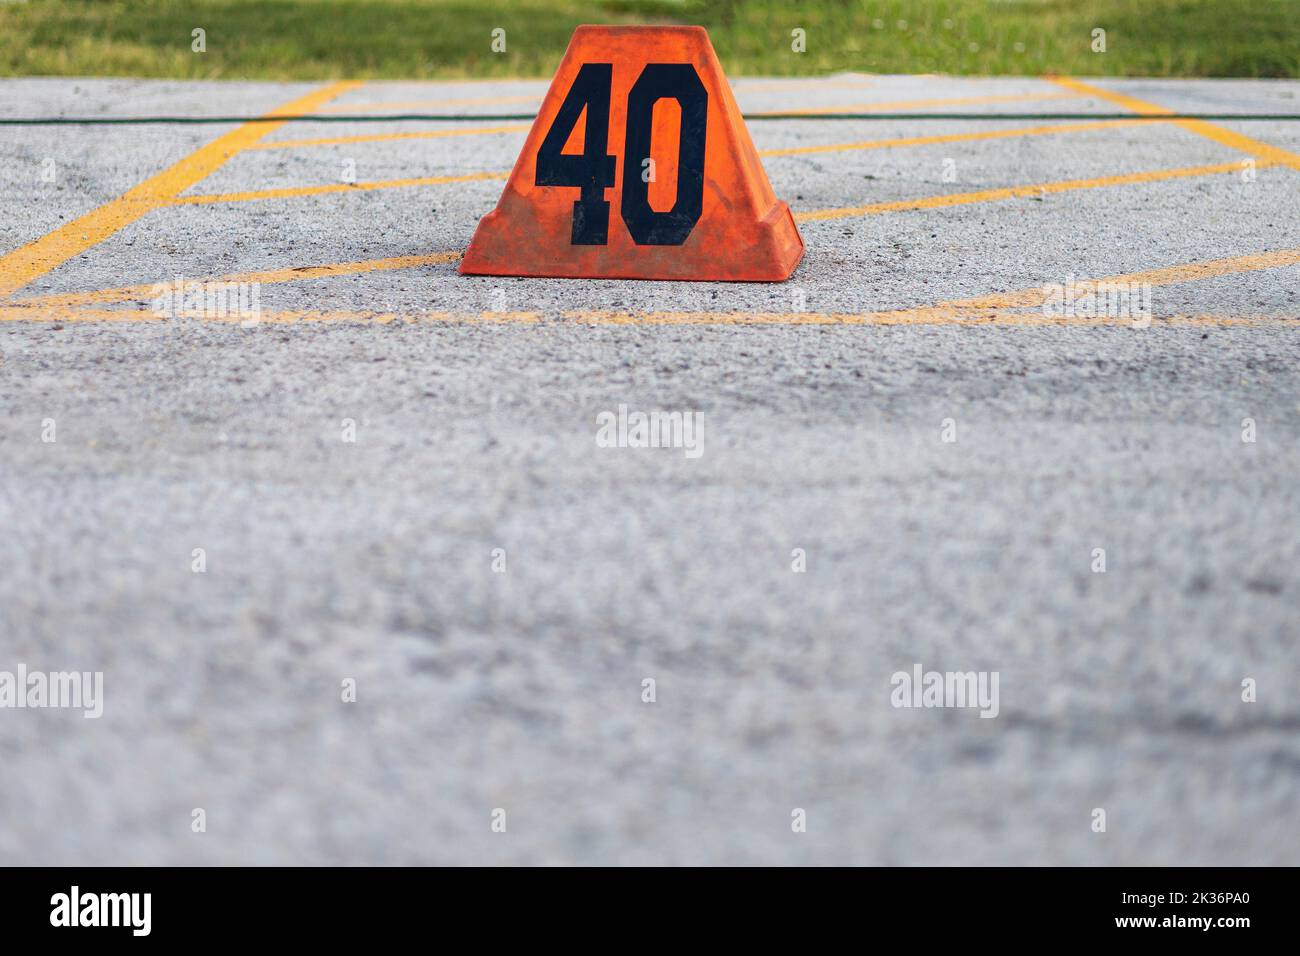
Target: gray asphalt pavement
[{"x": 330, "y": 560}]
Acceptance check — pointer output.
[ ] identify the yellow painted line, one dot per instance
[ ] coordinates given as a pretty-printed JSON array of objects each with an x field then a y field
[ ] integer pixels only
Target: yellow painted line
[
  {"x": 298, "y": 191},
  {"x": 1167, "y": 275},
  {"x": 267, "y": 277},
  {"x": 297, "y": 317},
  {"x": 793, "y": 151},
  {"x": 1225, "y": 137},
  {"x": 73, "y": 314},
  {"x": 67, "y": 313},
  {"x": 400, "y": 105},
  {"x": 1009, "y": 308},
  {"x": 470, "y": 81},
  {"x": 921, "y": 104},
  {"x": 50, "y": 251},
  {"x": 953, "y": 199},
  {"x": 1024, "y": 299},
  {"x": 1014, "y": 192},
  {"x": 854, "y": 80},
  {"x": 926, "y": 316},
  {"x": 742, "y": 86},
  {"x": 1006, "y": 308},
  {"x": 388, "y": 137},
  {"x": 932, "y": 316},
  {"x": 955, "y": 137},
  {"x": 293, "y": 191}
]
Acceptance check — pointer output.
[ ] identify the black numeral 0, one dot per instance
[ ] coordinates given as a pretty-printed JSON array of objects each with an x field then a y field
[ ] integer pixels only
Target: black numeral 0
[
  {"x": 594, "y": 170},
  {"x": 659, "y": 81}
]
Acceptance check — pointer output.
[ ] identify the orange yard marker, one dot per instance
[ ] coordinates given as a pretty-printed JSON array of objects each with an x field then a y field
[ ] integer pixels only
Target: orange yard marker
[{"x": 638, "y": 166}]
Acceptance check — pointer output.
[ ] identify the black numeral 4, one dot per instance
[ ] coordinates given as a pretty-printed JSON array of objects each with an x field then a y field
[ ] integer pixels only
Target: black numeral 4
[{"x": 593, "y": 171}]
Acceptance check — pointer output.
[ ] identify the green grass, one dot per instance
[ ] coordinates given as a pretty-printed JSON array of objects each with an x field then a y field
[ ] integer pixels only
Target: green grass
[{"x": 326, "y": 39}]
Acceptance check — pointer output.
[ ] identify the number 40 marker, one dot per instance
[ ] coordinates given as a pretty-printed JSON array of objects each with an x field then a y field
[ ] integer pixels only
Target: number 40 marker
[{"x": 724, "y": 224}]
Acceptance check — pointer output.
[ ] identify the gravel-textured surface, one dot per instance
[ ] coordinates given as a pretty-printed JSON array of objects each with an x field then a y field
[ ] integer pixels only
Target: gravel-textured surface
[{"x": 373, "y": 560}]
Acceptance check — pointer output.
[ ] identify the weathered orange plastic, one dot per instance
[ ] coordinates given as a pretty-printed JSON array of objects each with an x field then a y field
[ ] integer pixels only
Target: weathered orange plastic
[{"x": 744, "y": 232}]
